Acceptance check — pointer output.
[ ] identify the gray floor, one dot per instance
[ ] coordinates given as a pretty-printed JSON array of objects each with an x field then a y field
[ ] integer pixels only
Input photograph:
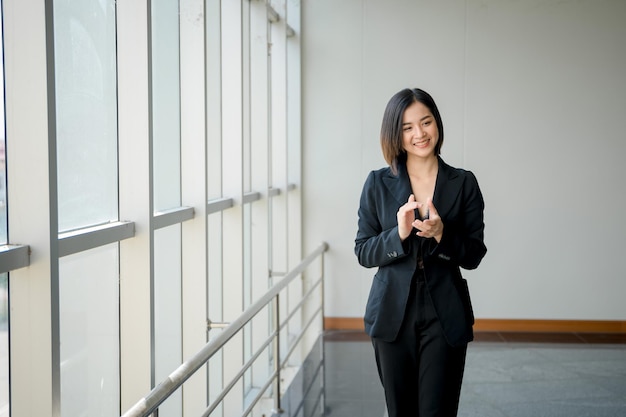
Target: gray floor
[
  {"x": 501, "y": 380},
  {"x": 551, "y": 380}
]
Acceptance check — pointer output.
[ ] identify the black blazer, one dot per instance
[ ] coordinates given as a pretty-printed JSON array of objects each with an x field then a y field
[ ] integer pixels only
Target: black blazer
[{"x": 460, "y": 204}]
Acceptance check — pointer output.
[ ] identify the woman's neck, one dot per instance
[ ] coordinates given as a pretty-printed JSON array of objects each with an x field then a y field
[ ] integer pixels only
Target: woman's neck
[{"x": 422, "y": 167}]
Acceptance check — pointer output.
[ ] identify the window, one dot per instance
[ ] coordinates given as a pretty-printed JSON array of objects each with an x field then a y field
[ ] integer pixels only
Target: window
[
  {"x": 89, "y": 329},
  {"x": 4, "y": 279},
  {"x": 86, "y": 122},
  {"x": 3, "y": 179},
  {"x": 86, "y": 109},
  {"x": 163, "y": 156},
  {"x": 166, "y": 173},
  {"x": 4, "y": 345}
]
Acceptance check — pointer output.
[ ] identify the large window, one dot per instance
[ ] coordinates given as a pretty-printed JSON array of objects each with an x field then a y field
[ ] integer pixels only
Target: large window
[
  {"x": 165, "y": 103},
  {"x": 4, "y": 345},
  {"x": 149, "y": 147},
  {"x": 4, "y": 279},
  {"x": 89, "y": 332},
  {"x": 166, "y": 173},
  {"x": 3, "y": 180},
  {"x": 86, "y": 112},
  {"x": 86, "y": 135}
]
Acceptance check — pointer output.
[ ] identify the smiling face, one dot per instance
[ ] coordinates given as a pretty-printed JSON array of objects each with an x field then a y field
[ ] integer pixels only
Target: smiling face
[{"x": 419, "y": 131}]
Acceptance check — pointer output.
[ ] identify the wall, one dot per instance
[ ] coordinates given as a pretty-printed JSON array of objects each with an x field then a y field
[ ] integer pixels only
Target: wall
[{"x": 533, "y": 99}]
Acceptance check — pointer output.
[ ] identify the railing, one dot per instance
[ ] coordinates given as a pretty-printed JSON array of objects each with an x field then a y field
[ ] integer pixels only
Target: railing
[{"x": 161, "y": 392}]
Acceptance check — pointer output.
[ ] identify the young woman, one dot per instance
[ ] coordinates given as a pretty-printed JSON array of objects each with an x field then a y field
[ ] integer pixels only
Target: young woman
[{"x": 420, "y": 221}]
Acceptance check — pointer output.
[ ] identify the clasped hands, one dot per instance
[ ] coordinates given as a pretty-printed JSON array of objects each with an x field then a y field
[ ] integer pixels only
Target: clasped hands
[{"x": 431, "y": 227}]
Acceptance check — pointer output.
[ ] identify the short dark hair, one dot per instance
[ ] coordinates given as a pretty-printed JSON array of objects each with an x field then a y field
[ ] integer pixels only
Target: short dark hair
[{"x": 391, "y": 129}]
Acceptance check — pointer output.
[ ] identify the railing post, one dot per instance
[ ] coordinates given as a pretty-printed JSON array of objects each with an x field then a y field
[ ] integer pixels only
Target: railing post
[
  {"x": 276, "y": 352},
  {"x": 322, "y": 350}
]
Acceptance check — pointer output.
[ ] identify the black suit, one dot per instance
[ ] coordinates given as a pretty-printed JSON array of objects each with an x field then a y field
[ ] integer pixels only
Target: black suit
[{"x": 459, "y": 202}]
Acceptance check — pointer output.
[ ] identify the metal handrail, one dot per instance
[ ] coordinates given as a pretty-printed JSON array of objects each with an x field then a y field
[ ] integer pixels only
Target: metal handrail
[{"x": 167, "y": 387}]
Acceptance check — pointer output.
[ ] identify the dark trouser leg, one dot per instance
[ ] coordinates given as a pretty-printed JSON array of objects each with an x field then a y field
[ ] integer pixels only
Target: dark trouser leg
[
  {"x": 421, "y": 374},
  {"x": 441, "y": 373},
  {"x": 397, "y": 368}
]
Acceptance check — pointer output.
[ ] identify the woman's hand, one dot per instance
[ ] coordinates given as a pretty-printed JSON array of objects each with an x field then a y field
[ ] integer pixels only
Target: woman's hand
[
  {"x": 406, "y": 217},
  {"x": 431, "y": 227}
]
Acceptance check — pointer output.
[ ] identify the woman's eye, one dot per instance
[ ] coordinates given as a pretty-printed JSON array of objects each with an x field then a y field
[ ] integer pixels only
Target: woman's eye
[{"x": 406, "y": 129}]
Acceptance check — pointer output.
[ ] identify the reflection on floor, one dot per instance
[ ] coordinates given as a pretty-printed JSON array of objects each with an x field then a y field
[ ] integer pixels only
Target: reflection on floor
[{"x": 507, "y": 375}]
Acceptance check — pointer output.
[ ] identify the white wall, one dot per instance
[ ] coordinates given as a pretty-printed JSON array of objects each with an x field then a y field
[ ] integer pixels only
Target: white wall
[{"x": 533, "y": 99}]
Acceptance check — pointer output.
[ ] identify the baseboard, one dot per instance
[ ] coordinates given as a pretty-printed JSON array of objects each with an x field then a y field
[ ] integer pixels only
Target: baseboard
[
  {"x": 550, "y": 326},
  {"x": 507, "y": 325},
  {"x": 343, "y": 323}
]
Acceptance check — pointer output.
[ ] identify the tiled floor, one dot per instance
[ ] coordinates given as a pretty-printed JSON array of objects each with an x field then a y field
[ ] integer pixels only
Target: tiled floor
[
  {"x": 507, "y": 375},
  {"x": 351, "y": 383}
]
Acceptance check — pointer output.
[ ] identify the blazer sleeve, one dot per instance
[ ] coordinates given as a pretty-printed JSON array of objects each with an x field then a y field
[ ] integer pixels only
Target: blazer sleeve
[
  {"x": 462, "y": 242},
  {"x": 377, "y": 240}
]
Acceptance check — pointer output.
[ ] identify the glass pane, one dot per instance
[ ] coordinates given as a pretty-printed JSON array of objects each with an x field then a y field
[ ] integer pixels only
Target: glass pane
[
  {"x": 3, "y": 182},
  {"x": 245, "y": 37},
  {"x": 165, "y": 104},
  {"x": 4, "y": 281},
  {"x": 84, "y": 35},
  {"x": 89, "y": 332},
  {"x": 4, "y": 345},
  {"x": 247, "y": 292},
  {"x": 168, "y": 311}
]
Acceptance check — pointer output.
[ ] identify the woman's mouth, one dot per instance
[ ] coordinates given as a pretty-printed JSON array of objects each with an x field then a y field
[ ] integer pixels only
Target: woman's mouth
[{"x": 421, "y": 143}]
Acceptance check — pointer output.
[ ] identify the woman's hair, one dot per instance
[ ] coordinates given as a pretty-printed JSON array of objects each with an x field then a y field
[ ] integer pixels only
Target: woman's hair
[{"x": 391, "y": 130}]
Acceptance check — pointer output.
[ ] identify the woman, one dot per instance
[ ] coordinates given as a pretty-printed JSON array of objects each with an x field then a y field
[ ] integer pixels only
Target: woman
[{"x": 420, "y": 221}]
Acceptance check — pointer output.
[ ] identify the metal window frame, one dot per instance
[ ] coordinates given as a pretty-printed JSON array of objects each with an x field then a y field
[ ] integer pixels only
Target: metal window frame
[
  {"x": 14, "y": 257},
  {"x": 171, "y": 217},
  {"x": 92, "y": 237}
]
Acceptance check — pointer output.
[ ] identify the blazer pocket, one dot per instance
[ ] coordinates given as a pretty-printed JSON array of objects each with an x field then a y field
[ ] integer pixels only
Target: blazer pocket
[
  {"x": 463, "y": 289},
  {"x": 377, "y": 292}
]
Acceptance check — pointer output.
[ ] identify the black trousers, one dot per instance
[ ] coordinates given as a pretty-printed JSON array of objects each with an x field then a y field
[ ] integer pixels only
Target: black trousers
[{"x": 421, "y": 374}]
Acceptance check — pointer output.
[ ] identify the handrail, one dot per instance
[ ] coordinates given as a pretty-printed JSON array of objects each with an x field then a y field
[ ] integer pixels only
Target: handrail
[{"x": 161, "y": 392}]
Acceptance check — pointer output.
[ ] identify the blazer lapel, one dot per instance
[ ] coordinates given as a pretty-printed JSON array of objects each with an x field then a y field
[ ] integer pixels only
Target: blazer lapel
[
  {"x": 399, "y": 185},
  {"x": 447, "y": 188}
]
